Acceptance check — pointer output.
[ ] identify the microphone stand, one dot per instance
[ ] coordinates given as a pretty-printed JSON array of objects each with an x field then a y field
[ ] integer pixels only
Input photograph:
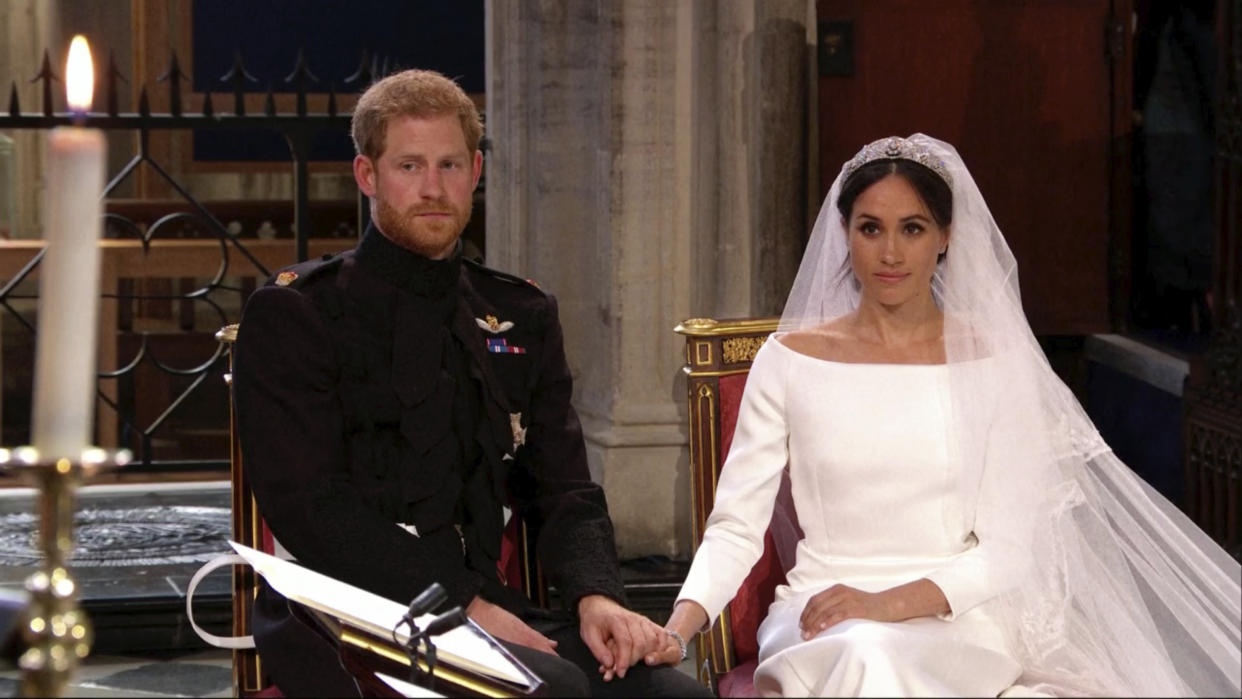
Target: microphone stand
[{"x": 420, "y": 639}]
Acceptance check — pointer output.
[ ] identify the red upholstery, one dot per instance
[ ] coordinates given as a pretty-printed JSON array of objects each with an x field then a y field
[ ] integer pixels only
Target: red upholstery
[
  {"x": 267, "y": 541},
  {"x": 739, "y": 682},
  {"x": 509, "y": 566},
  {"x": 758, "y": 590},
  {"x": 751, "y": 603},
  {"x": 731, "y": 388}
]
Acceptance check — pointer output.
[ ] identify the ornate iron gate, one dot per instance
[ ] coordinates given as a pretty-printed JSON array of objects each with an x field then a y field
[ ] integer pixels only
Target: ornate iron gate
[{"x": 191, "y": 217}]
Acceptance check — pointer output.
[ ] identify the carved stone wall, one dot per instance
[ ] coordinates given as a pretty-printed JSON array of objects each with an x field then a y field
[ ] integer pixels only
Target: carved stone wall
[
  {"x": 649, "y": 164},
  {"x": 26, "y": 26}
]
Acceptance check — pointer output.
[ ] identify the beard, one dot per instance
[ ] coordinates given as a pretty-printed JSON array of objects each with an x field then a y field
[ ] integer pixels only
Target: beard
[{"x": 429, "y": 237}]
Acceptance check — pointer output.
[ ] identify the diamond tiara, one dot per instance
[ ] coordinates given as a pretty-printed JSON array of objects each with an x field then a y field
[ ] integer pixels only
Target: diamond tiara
[{"x": 898, "y": 148}]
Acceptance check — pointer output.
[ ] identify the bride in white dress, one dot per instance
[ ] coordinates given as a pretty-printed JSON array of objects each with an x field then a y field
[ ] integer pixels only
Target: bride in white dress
[{"x": 966, "y": 531}]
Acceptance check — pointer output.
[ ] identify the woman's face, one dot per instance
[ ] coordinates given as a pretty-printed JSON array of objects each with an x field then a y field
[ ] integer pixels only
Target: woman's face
[{"x": 894, "y": 243}]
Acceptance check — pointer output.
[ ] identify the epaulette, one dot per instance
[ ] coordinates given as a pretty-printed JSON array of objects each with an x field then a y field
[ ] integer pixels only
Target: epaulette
[
  {"x": 297, "y": 275},
  {"x": 503, "y": 276}
]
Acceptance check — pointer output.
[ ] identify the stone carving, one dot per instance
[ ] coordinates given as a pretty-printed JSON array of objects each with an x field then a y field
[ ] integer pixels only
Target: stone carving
[{"x": 125, "y": 536}]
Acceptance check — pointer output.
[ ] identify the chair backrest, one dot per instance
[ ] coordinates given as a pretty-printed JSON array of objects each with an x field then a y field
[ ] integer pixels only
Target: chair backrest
[
  {"x": 518, "y": 566},
  {"x": 248, "y": 530},
  {"x": 718, "y": 358}
]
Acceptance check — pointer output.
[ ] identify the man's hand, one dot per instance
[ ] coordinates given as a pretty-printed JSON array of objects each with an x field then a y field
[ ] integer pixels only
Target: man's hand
[
  {"x": 616, "y": 636},
  {"x": 500, "y": 623}
]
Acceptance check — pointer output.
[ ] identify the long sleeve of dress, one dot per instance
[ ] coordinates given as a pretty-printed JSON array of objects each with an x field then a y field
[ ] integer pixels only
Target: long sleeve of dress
[
  {"x": 746, "y": 492},
  {"x": 1003, "y": 513}
]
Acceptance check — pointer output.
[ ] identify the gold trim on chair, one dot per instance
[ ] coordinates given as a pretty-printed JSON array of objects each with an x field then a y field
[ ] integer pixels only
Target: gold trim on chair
[
  {"x": 706, "y": 396},
  {"x": 463, "y": 680},
  {"x": 714, "y": 348},
  {"x": 710, "y": 327},
  {"x": 735, "y": 350},
  {"x": 714, "y": 374},
  {"x": 247, "y": 668},
  {"x": 702, "y": 353}
]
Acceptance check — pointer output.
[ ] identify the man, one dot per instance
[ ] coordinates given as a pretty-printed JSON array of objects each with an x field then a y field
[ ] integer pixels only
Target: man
[{"x": 396, "y": 402}]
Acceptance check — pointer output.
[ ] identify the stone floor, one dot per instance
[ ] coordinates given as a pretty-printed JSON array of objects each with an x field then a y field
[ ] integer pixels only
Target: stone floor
[
  {"x": 137, "y": 548},
  {"x": 197, "y": 674},
  {"x": 206, "y": 673}
]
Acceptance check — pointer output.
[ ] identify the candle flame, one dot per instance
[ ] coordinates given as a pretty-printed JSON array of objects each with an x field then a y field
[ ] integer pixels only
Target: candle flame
[{"x": 79, "y": 76}]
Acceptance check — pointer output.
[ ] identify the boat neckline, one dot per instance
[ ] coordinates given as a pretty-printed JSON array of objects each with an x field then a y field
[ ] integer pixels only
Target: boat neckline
[{"x": 793, "y": 351}]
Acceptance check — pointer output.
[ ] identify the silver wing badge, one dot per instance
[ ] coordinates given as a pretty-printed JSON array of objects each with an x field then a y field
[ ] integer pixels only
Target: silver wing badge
[{"x": 493, "y": 325}]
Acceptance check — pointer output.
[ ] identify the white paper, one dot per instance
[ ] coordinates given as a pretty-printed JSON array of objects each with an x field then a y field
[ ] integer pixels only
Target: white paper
[
  {"x": 406, "y": 689},
  {"x": 466, "y": 646}
]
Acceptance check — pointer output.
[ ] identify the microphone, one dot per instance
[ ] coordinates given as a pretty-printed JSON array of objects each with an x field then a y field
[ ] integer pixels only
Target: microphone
[
  {"x": 445, "y": 622},
  {"x": 427, "y": 600}
]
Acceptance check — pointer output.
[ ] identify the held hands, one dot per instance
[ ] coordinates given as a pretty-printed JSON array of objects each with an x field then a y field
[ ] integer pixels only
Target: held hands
[
  {"x": 501, "y": 624},
  {"x": 616, "y": 636},
  {"x": 687, "y": 619}
]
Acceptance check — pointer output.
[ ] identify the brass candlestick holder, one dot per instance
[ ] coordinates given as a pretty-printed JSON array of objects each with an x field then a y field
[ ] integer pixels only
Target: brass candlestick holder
[{"x": 55, "y": 630}]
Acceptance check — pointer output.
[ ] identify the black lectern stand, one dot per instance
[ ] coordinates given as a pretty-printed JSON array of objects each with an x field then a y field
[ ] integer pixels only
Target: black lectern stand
[
  {"x": 368, "y": 632},
  {"x": 367, "y": 655}
]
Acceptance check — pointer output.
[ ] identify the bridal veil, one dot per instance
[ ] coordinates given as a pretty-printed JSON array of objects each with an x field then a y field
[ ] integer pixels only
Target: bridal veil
[{"x": 1107, "y": 587}]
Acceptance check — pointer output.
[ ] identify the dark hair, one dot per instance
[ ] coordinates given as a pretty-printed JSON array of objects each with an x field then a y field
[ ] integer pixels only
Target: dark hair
[{"x": 933, "y": 190}]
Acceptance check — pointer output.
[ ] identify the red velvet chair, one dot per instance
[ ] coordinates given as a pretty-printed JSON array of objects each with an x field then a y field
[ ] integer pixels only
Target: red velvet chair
[
  {"x": 718, "y": 358},
  {"x": 517, "y": 565}
]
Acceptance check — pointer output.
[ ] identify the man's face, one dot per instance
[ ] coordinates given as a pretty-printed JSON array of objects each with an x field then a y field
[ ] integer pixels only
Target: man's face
[{"x": 422, "y": 185}]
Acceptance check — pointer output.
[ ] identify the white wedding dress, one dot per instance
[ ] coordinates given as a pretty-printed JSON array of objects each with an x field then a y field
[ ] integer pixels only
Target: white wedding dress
[
  {"x": 878, "y": 497},
  {"x": 1064, "y": 571}
]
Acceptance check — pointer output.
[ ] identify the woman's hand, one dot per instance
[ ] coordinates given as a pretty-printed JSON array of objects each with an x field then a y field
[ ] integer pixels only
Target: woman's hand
[
  {"x": 687, "y": 619},
  {"x": 840, "y": 602}
]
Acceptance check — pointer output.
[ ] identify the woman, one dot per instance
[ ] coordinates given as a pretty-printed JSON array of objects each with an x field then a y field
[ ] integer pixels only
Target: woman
[{"x": 965, "y": 528}]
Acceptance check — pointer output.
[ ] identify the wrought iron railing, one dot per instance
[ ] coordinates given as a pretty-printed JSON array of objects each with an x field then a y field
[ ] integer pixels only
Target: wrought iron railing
[{"x": 186, "y": 256}]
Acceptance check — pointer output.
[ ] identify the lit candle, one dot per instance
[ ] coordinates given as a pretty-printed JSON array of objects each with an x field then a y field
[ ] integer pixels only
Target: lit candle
[{"x": 64, "y": 388}]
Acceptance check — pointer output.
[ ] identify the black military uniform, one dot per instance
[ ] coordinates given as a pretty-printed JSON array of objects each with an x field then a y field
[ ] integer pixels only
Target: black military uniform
[{"x": 390, "y": 409}]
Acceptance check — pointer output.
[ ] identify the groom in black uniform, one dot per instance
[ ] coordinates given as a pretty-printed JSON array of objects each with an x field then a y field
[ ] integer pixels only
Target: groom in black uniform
[{"x": 397, "y": 402}]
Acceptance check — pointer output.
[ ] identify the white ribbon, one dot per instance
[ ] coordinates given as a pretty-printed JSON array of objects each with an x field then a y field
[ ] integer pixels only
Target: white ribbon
[{"x": 230, "y": 642}]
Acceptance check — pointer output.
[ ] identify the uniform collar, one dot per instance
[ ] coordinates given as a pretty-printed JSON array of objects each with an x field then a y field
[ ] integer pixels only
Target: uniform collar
[{"x": 408, "y": 270}]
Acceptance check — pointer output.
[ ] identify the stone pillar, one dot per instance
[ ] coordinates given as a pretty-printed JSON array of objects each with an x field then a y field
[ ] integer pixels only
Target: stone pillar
[
  {"x": 649, "y": 164},
  {"x": 29, "y": 26}
]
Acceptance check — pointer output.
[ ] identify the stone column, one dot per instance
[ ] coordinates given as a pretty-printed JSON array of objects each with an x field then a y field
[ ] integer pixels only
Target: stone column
[
  {"x": 649, "y": 164},
  {"x": 29, "y": 27}
]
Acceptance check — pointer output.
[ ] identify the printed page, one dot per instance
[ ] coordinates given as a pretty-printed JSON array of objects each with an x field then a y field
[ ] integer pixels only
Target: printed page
[{"x": 466, "y": 646}]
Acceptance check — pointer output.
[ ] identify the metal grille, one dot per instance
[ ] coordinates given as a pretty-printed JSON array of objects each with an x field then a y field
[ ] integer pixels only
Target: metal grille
[{"x": 198, "y": 360}]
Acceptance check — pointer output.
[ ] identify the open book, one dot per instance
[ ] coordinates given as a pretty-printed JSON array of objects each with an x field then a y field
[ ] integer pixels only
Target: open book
[{"x": 466, "y": 646}]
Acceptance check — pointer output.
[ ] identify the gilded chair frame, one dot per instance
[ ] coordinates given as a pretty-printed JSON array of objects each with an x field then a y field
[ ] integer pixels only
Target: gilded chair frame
[
  {"x": 714, "y": 349},
  {"x": 247, "y": 531}
]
